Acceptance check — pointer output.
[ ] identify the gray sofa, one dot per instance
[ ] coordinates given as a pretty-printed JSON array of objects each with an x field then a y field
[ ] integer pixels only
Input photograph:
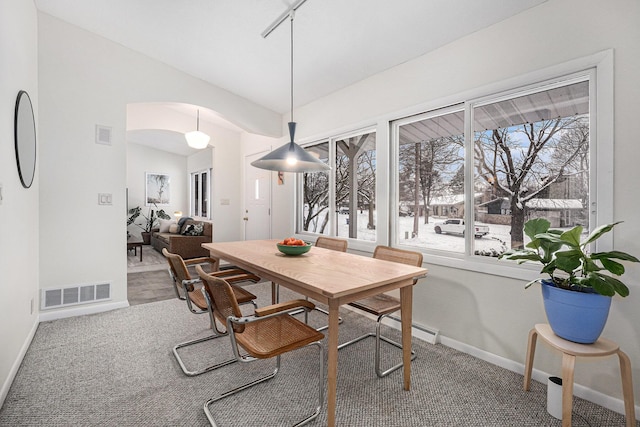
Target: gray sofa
[{"x": 185, "y": 246}]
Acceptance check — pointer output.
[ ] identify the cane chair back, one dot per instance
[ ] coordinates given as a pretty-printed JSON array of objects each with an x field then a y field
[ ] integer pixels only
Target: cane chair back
[{"x": 334, "y": 244}]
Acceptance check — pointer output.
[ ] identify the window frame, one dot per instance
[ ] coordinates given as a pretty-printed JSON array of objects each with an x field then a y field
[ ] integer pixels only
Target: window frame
[
  {"x": 601, "y": 182},
  {"x": 332, "y": 144},
  {"x": 598, "y": 69},
  {"x": 207, "y": 193}
]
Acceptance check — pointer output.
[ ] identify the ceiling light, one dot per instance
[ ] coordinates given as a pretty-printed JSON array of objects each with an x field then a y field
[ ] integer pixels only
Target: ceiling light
[
  {"x": 291, "y": 157},
  {"x": 197, "y": 139}
]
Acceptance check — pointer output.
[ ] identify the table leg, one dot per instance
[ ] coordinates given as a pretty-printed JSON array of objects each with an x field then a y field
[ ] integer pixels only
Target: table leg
[
  {"x": 528, "y": 365},
  {"x": 627, "y": 388},
  {"x": 568, "y": 363},
  {"x": 140, "y": 253},
  {"x": 275, "y": 293},
  {"x": 332, "y": 363},
  {"x": 406, "y": 307}
]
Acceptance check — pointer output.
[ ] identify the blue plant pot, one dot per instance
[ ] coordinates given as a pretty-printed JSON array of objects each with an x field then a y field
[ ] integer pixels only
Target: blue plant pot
[{"x": 575, "y": 316}]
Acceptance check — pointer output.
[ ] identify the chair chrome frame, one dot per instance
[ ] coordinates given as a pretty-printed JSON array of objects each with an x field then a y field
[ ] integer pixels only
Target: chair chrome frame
[
  {"x": 246, "y": 359},
  {"x": 379, "y": 372},
  {"x": 384, "y": 306},
  {"x": 186, "y": 285}
]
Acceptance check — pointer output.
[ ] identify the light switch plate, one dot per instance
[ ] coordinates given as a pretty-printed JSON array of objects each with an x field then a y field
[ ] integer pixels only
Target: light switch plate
[
  {"x": 224, "y": 202},
  {"x": 104, "y": 199}
]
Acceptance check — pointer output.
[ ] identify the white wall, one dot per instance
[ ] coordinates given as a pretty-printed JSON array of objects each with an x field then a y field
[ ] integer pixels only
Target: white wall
[
  {"x": 86, "y": 80},
  {"x": 489, "y": 313},
  {"x": 141, "y": 160},
  {"x": 19, "y": 215}
]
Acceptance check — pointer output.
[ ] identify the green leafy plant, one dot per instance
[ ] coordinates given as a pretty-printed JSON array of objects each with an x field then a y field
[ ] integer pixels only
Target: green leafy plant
[
  {"x": 565, "y": 258},
  {"x": 149, "y": 219}
]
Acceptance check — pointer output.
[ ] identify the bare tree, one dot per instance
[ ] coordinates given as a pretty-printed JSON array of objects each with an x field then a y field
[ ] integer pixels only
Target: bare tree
[
  {"x": 523, "y": 161},
  {"x": 316, "y": 201},
  {"x": 428, "y": 166},
  {"x": 349, "y": 166}
]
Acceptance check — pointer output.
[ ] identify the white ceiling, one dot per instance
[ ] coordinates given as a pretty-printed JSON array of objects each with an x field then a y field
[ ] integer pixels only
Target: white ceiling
[{"x": 337, "y": 42}]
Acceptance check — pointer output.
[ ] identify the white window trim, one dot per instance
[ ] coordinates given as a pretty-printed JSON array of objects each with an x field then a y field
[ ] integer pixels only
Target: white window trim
[
  {"x": 209, "y": 193},
  {"x": 356, "y": 244},
  {"x": 600, "y": 67},
  {"x": 602, "y": 125}
]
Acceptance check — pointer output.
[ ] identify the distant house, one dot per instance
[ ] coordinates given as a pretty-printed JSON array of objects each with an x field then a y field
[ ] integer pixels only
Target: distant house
[
  {"x": 560, "y": 212},
  {"x": 450, "y": 205}
]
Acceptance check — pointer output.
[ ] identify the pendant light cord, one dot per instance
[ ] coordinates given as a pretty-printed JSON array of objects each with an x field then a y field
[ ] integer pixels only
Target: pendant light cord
[{"x": 291, "y": 14}]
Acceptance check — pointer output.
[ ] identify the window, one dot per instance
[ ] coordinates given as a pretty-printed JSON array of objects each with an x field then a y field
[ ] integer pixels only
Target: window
[
  {"x": 200, "y": 188},
  {"x": 315, "y": 195},
  {"x": 468, "y": 189},
  {"x": 355, "y": 194},
  {"x": 430, "y": 178},
  {"x": 342, "y": 201},
  {"x": 532, "y": 160}
]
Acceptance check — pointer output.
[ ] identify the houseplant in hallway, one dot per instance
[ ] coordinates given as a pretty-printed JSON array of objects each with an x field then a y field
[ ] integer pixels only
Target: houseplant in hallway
[
  {"x": 149, "y": 220},
  {"x": 578, "y": 294}
]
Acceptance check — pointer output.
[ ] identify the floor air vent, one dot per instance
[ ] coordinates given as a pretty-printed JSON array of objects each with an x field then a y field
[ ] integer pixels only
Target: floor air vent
[{"x": 74, "y": 295}]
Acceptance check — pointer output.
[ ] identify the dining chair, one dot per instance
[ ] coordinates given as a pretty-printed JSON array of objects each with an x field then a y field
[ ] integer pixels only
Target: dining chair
[
  {"x": 196, "y": 302},
  {"x": 269, "y": 333},
  {"x": 384, "y": 305}
]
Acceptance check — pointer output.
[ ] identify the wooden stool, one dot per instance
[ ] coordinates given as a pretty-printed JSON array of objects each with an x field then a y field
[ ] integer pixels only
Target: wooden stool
[{"x": 571, "y": 350}]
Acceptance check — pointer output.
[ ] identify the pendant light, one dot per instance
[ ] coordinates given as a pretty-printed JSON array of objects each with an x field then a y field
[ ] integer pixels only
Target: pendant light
[
  {"x": 197, "y": 139},
  {"x": 291, "y": 157}
]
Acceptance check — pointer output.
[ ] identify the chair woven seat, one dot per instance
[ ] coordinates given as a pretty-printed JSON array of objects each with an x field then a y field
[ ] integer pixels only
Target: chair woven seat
[
  {"x": 378, "y": 304},
  {"x": 242, "y": 295},
  {"x": 276, "y": 335}
]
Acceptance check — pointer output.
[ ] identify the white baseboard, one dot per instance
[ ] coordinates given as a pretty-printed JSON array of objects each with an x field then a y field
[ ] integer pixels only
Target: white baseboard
[
  {"x": 81, "y": 310},
  {"x": 16, "y": 364},
  {"x": 606, "y": 401}
]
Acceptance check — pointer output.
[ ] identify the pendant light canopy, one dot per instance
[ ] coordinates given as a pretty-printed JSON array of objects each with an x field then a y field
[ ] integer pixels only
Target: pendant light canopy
[
  {"x": 197, "y": 139},
  {"x": 290, "y": 157}
]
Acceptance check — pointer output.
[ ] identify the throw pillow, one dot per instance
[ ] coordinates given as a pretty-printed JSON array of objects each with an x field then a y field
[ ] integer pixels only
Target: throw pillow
[
  {"x": 173, "y": 229},
  {"x": 194, "y": 229},
  {"x": 165, "y": 224},
  {"x": 187, "y": 230},
  {"x": 182, "y": 220}
]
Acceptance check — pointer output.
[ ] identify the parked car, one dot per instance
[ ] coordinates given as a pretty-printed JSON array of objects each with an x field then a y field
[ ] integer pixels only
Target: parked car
[{"x": 456, "y": 226}]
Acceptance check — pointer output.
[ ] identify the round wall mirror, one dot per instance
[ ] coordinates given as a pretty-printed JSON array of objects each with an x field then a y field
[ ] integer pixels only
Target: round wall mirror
[{"x": 25, "y": 139}]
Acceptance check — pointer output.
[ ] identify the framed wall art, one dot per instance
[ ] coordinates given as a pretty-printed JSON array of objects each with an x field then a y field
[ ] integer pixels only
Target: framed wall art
[{"x": 157, "y": 189}]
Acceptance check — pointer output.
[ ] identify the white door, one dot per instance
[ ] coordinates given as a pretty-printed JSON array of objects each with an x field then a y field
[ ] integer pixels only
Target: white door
[{"x": 257, "y": 200}]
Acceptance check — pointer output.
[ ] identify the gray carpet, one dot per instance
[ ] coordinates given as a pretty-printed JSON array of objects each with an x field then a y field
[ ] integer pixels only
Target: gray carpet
[{"x": 116, "y": 369}]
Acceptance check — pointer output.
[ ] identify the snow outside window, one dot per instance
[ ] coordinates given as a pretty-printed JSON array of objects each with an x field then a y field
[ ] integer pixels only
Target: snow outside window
[
  {"x": 526, "y": 155},
  {"x": 341, "y": 202}
]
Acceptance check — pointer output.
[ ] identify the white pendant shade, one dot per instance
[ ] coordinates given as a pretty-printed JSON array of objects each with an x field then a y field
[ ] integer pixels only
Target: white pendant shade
[{"x": 197, "y": 139}]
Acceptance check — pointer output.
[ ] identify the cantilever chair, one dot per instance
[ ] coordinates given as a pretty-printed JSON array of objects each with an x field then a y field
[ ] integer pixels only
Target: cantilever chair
[
  {"x": 269, "y": 333},
  {"x": 384, "y": 305},
  {"x": 196, "y": 302}
]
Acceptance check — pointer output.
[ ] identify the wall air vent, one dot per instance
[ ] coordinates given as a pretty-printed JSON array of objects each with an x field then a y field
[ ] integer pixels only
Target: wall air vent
[
  {"x": 103, "y": 135},
  {"x": 75, "y": 295}
]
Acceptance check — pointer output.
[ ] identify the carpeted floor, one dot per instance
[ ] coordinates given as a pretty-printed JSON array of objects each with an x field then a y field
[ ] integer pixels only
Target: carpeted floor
[{"x": 116, "y": 369}]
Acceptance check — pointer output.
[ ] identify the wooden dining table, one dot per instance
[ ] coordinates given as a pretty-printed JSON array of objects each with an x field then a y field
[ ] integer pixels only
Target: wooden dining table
[{"x": 333, "y": 278}]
